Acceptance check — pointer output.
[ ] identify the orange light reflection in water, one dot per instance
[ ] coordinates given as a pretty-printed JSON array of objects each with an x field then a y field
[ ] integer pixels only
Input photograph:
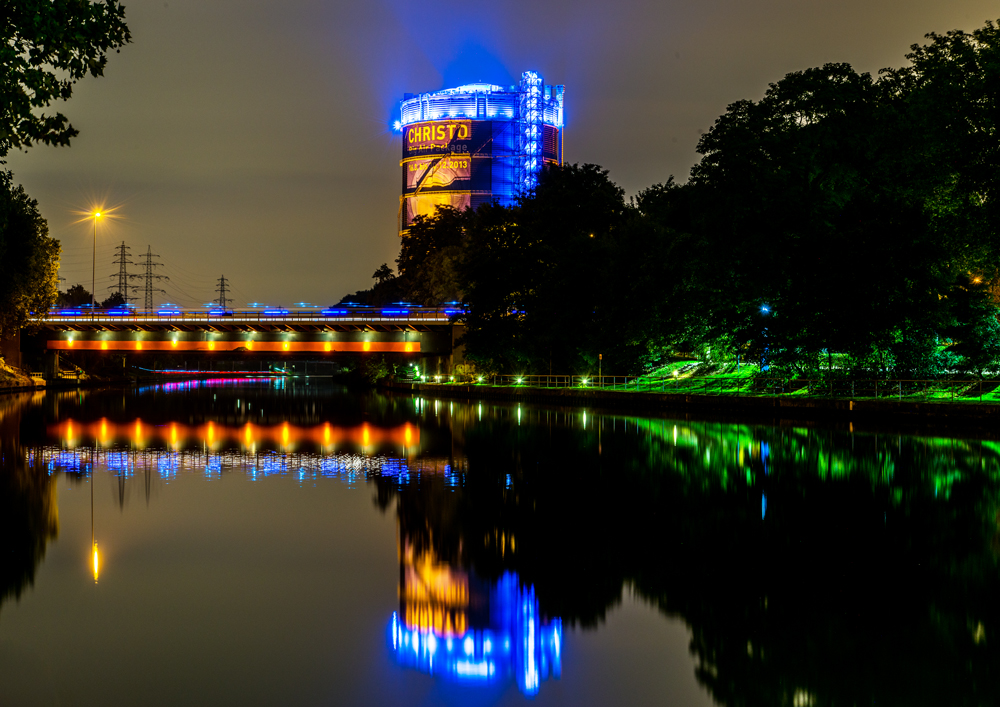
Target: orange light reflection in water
[
  {"x": 435, "y": 595},
  {"x": 284, "y": 434}
]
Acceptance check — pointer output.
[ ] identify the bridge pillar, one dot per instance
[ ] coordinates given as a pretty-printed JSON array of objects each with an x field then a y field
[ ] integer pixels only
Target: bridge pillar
[{"x": 50, "y": 369}]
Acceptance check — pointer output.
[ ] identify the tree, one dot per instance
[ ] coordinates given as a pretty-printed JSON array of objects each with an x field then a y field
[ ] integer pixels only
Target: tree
[
  {"x": 431, "y": 256},
  {"x": 75, "y": 296},
  {"x": 49, "y": 45},
  {"x": 116, "y": 299},
  {"x": 850, "y": 206},
  {"x": 976, "y": 331},
  {"x": 29, "y": 258},
  {"x": 383, "y": 274}
]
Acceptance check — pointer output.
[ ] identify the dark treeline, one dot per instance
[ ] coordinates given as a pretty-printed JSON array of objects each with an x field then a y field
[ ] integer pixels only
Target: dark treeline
[{"x": 844, "y": 222}]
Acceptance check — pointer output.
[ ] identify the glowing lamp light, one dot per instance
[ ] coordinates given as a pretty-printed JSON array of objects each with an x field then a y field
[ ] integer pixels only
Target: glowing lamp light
[
  {"x": 520, "y": 380},
  {"x": 96, "y": 563},
  {"x": 480, "y": 379},
  {"x": 764, "y": 309},
  {"x": 397, "y": 126}
]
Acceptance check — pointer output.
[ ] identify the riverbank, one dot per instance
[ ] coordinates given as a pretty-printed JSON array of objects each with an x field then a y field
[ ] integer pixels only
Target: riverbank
[
  {"x": 14, "y": 380},
  {"x": 960, "y": 413}
]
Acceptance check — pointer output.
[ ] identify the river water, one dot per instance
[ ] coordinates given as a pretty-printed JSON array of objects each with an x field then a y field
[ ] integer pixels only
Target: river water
[{"x": 287, "y": 542}]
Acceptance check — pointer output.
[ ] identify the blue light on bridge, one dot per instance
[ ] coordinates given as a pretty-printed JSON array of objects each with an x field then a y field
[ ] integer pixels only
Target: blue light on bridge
[
  {"x": 169, "y": 313},
  {"x": 335, "y": 312},
  {"x": 118, "y": 312},
  {"x": 220, "y": 313},
  {"x": 395, "y": 312},
  {"x": 276, "y": 312},
  {"x": 69, "y": 312}
]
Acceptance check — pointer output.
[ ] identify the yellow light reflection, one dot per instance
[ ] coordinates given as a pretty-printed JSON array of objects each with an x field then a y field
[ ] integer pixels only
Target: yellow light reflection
[
  {"x": 249, "y": 344},
  {"x": 96, "y": 563},
  {"x": 173, "y": 433},
  {"x": 284, "y": 433},
  {"x": 211, "y": 433},
  {"x": 328, "y": 346},
  {"x": 248, "y": 433}
]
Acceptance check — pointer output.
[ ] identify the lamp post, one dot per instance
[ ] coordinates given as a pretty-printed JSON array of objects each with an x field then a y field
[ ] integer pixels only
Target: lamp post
[{"x": 93, "y": 271}]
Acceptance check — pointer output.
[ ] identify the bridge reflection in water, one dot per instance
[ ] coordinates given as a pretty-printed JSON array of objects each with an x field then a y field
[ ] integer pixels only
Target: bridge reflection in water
[{"x": 450, "y": 623}]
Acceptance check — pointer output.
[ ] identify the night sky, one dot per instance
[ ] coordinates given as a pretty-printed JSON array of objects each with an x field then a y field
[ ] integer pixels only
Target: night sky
[{"x": 251, "y": 138}]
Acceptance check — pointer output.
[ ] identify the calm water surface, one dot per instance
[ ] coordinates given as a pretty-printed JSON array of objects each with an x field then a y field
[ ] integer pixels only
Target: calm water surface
[{"x": 288, "y": 542}]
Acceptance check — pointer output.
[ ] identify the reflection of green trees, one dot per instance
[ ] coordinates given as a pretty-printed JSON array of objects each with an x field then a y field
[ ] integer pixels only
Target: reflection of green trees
[
  {"x": 871, "y": 576},
  {"x": 29, "y": 513}
]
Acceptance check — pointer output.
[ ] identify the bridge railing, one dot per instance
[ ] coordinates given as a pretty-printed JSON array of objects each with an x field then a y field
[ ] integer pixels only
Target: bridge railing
[{"x": 334, "y": 314}]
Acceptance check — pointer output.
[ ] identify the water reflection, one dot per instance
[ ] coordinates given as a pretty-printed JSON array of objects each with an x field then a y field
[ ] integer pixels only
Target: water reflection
[
  {"x": 29, "y": 509},
  {"x": 486, "y": 633},
  {"x": 812, "y": 566},
  {"x": 452, "y": 622}
]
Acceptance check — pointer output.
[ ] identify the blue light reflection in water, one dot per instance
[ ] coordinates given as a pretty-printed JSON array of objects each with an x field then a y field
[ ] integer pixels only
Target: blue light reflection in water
[{"x": 515, "y": 644}]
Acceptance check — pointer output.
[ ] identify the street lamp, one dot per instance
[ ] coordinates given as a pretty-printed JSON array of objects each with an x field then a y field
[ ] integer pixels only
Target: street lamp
[{"x": 93, "y": 271}]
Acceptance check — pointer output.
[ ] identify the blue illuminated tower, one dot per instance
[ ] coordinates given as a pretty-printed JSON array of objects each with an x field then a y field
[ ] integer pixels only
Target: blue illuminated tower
[{"x": 477, "y": 143}]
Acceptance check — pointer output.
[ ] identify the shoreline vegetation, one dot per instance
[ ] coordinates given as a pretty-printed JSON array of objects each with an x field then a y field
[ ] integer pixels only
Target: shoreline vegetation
[
  {"x": 845, "y": 223},
  {"x": 714, "y": 391}
]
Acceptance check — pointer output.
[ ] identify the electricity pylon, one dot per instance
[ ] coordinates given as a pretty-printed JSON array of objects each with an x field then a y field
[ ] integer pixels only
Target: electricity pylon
[
  {"x": 150, "y": 277},
  {"x": 222, "y": 300},
  {"x": 122, "y": 261}
]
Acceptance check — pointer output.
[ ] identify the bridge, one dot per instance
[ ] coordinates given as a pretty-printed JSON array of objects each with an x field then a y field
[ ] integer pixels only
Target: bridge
[{"x": 282, "y": 334}]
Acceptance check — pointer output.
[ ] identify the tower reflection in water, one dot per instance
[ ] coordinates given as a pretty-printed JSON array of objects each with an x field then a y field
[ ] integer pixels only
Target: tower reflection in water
[{"x": 467, "y": 630}]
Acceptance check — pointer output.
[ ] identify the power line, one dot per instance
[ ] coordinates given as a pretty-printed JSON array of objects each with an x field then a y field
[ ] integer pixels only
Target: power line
[{"x": 150, "y": 277}]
